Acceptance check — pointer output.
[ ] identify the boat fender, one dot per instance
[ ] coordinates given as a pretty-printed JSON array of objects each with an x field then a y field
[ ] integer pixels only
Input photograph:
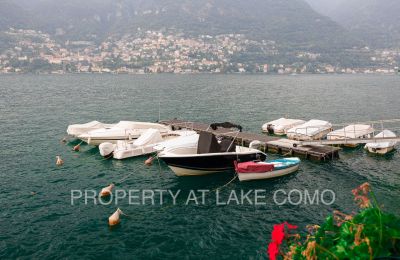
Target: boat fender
[
  {"x": 114, "y": 219},
  {"x": 149, "y": 161},
  {"x": 59, "y": 161},
  {"x": 76, "y": 148},
  {"x": 107, "y": 190}
]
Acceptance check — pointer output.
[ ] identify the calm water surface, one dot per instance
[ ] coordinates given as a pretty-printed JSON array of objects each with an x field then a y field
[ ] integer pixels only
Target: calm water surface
[{"x": 37, "y": 219}]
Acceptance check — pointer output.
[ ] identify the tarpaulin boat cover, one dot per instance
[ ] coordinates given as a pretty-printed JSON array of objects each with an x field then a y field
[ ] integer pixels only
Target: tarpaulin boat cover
[
  {"x": 207, "y": 143},
  {"x": 214, "y": 126},
  {"x": 254, "y": 167}
]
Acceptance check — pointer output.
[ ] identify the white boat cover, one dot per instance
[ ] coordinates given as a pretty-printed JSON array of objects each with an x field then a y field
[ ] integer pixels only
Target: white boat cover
[
  {"x": 139, "y": 125},
  {"x": 77, "y": 129},
  {"x": 183, "y": 141},
  {"x": 382, "y": 145},
  {"x": 351, "y": 131},
  {"x": 310, "y": 128},
  {"x": 283, "y": 124},
  {"x": 150, "y": 136}
]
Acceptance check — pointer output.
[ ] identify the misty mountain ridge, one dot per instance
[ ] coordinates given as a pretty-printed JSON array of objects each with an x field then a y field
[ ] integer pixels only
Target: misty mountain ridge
[
  {"x": 291, "y": 23},
  {"x": 377, "y": 22}
]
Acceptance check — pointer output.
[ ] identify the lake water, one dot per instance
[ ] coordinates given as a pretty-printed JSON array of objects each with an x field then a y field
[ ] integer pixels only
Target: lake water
[{"x": 38, "y": 220}]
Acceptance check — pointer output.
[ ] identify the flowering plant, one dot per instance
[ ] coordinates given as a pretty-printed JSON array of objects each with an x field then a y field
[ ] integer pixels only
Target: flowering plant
[{"x": 369, "y": 234}]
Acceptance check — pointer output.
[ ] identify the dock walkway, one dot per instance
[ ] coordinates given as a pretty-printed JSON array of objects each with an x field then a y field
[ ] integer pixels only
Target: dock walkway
[{"x": 269, "y": 143}]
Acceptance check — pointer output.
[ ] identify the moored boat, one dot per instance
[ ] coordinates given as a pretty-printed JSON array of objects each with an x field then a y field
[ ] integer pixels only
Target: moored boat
[
  {"x": 351, "y": 132},
  {"x": 207, "y": 156},
  {"x": 78, "y": 129},
  {"x": 124, "y": 130},
  {"x": 248, "y": 171},
  {"x": 382, "y": 147},
  {"x": 310, "y": 130},
  {"x": 281, "y": 125},
  {"x": 145, "y": 144}
]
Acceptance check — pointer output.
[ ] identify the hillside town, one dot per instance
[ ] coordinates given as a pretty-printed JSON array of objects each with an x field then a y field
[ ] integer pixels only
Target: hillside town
[{"x": 30, "y": 51}]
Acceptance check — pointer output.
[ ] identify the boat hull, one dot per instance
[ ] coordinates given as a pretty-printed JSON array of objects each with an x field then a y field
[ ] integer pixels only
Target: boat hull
[
  {"x": 207, "y": 164},
  {"x": 267, "y": 175},
  {"x": 380, "y": 150},
  {"x": 98, "y": 140}
]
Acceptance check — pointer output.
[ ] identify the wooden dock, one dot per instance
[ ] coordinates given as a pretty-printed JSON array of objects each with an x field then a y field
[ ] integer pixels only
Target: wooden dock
[{"x": 269, "y": 143}]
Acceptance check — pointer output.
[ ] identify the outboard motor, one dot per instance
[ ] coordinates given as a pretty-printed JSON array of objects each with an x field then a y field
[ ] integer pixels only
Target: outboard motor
[
  {"x": 270, "y": 129},
  {"x": 106, "y": 149}
]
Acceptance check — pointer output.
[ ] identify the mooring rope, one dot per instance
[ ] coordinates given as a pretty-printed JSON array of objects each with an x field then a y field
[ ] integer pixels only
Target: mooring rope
[
  {"x": 226, "y": 184},
  {"x": 288, "y": 153}
]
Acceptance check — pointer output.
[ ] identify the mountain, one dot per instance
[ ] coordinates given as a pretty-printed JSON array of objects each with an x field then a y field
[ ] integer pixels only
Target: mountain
[
  {"x": 375, "y": 21},
  {"x": 293, "y": 24}
]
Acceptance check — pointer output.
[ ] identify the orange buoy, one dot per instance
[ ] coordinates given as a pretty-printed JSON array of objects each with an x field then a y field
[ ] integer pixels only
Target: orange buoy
[
  {"x": 149, "y": 161},
  {"x": 107, "y": 190},
  {"x": 114, "y": 219},
  {"x": 76, "y": 148},
  {"x": 59, "y": 161}
]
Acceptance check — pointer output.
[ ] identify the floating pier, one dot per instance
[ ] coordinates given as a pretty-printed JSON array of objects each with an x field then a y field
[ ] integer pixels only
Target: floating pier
[{"x": 271, "y": 144}]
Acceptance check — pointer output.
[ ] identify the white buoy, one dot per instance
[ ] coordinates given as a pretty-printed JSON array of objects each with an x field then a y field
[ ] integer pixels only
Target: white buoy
[
  {"x": 107, "y": 190},
  {"x": 59, "y": 161},
  {"x": 114, "y": 219}
]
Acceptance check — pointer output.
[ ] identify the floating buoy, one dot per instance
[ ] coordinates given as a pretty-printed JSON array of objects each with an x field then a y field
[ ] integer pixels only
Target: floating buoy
[
  {"x": 114, "y": 219},
  {"x": 76, "y": 148},
  {"x": 59, "y": 161},
  {"x": 149, "y": 161},
  {"x": 107, "y": 190}
]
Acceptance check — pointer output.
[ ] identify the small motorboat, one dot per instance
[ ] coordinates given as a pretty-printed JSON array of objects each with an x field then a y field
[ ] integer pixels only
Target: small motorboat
[
  {"x": 351, "y": 132},
  {"x": 310, "y": 130},
  {"x": 281, "y": 125},
  {"x": 77, "y": 129},
  {"x": 251, "y": 170},
  {"x": 382, "y": 147},
  {"x": 145, "y": 144},
  {"x": 124, "y": 130},
  {"x": 207, "y": 156}
]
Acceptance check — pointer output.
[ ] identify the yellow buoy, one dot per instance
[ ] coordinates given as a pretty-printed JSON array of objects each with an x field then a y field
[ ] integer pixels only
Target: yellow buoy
[
  {"x": 59, "y": 161},
  {"x": 114, "y": 219},
  {"x": 107, "y": 190},
  {"x": 149, "y": 161}
]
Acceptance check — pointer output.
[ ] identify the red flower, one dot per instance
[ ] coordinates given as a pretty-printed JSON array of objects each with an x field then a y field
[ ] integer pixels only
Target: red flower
[
  {"x": 278, "y": 234},
  {"x": 273, "y": 250},
  {"x": 290, "y": 226}
]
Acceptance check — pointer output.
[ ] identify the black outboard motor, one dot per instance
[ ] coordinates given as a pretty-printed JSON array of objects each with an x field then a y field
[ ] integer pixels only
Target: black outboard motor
[{"x": 270, "y": 129}]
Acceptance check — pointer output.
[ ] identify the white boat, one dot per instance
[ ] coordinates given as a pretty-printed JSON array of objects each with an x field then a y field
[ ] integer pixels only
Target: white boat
[
  {"x": 207, "y": 156},
  {"x": 281, "y": 125},
  {"x": 124, "y": 130},
  {"x": 248, "y": 171},
  {"x": 351, "y": 132},
  {"x": 382, "y": 147},
  {"x": 310, "y": 130},
  {"x": 78, "y": 129},
  {"x": 145, "y": 144}
]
